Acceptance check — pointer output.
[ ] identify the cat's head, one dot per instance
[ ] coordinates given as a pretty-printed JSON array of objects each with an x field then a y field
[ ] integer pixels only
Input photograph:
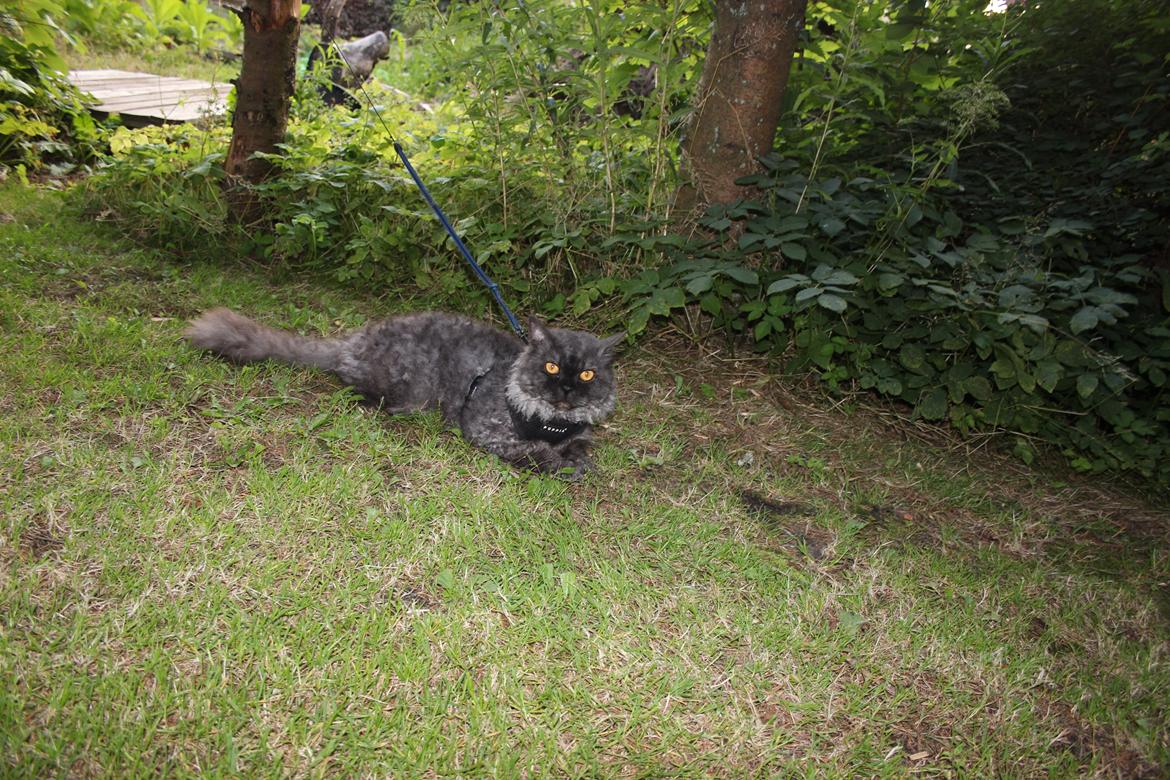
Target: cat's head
[{"x": 563, "y": 375}]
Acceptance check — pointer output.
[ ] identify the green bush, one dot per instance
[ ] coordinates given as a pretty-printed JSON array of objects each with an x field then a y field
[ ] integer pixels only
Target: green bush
[
  {"x": 968, "y": 324},
  {"x": 114, "y": 24},
  {"x": 43, "y": 119},
  {"x": 932, "y": 259}
]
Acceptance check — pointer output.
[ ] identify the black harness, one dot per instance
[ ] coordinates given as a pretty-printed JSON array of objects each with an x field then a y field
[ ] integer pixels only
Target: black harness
[
  {"x": 474, "y": 386},
  {"x": 551, "y": 431}
]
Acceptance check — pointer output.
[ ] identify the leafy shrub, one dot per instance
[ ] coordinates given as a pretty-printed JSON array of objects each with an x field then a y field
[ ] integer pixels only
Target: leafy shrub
[
  {"x": 105, "y": 23},
  {"x": 166, "y": 183},
  {"x": 42, "y": 116},
  {"x": 968, "y": 325},
  {"x": 128, "y": 23},
  {"x": 1021, "y": 291}
]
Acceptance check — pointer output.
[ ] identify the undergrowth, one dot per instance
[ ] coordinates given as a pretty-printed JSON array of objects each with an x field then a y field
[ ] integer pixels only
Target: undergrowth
[{"x": 946, "y": 219}]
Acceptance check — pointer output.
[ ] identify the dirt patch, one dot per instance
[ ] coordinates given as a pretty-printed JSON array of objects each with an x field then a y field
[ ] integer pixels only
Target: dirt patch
[
  {"x": 43, "y": 536},
  {"x": 1115, "y": 757},
  {"x": 415, "y": 597},
  {"x": 66, "y": 290},
  {"x": 781, "y": 518}
]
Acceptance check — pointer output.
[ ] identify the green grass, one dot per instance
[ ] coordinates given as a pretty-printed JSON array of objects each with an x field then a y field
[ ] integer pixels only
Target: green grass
[
  {"x": 160, "y": 60},
  {"x": 209, "y": 570}
]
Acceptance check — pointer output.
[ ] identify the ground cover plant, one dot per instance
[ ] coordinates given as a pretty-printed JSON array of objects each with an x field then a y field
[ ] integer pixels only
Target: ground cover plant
[
  {"x": 219, "y": 571},
  {"x": 43, "y": 119}
]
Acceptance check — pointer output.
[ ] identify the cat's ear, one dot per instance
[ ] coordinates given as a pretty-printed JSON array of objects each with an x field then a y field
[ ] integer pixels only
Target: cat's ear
[
  {"x": 537, "y": 331},
  {"x": 609, "y": 345}
]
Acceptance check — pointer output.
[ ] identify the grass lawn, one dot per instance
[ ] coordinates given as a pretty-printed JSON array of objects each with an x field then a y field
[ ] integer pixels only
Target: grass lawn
[{"x": 216, "y": 571}]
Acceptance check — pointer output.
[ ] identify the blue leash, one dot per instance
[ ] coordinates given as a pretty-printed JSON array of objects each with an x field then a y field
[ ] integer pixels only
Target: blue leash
[{"x": 483, "y": 277}]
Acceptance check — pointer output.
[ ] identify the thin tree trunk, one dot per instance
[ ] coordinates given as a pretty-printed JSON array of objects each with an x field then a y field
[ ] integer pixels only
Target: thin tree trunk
[
  {"x": 738, "y": 102},
  {"x": 329, "y": 12},
  {"x": 263, "y": 93}
]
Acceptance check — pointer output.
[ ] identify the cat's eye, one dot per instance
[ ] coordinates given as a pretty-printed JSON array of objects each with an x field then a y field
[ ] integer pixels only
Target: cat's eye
[
  {"x": 586, "y": 375},
  {"x": 552, "y": 368}
]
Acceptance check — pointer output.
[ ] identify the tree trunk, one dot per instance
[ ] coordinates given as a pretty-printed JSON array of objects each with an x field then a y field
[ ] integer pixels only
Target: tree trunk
[
  {"x": 329, "y": 12},
  {"x": 263, "y": 92},
  {"x": 737, "y": 106}
]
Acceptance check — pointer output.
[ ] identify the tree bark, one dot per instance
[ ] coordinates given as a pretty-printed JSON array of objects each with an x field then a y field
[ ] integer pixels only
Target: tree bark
[
  {"x": 329, "y": 12},
  {"x": 737, "y": 107},
  {"x": 263, "y": 93}
]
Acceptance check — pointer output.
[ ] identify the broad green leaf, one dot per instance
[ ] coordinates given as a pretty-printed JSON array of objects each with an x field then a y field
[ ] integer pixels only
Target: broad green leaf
[
  {"x": 899, "y": 30},
  {"x": 793, "y": 251},
  {"x": 1087, "y": 384},
  {"x": 1036, "y": 323},
  {"x": 912, "y": 356},
  {"x": 581, "y": 303},
  {"x": 978, "y": 387},
  {"x": 638, "y": 319},
  {"x": 831, "y": 226},
  {"x": 699, "y": 285},
  {"x": 1075, "y": 227},
  {"x": 748, "y": 240},
  {"x": 785, "y": 284},
  {"x": 1084, "y": 319},
  {"x": 808, "y": 292},
  {"x": 832, "y": 302},
  {"x": 933, "y": 404},
  {"x": 841, "y": 277},
  {"x": 741, "y": 274},
  {"x": 1048, "y": 373}
]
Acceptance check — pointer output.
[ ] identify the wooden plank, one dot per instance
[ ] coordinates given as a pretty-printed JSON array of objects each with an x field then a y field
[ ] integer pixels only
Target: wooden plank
[
  {"x": 170, "y": 97},
  {"x": 105, "y": 88},
  {"x": 161, "y": 95},
  {"x": 177, "y": 88},
  {"x": 100, "y": 75},
  {"x": 106, "y": 75},
  {"x": 147, "y": 95}
]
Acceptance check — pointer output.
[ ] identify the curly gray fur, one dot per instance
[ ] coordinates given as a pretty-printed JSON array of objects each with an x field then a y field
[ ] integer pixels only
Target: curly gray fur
[{"x": 494, "y": 387}]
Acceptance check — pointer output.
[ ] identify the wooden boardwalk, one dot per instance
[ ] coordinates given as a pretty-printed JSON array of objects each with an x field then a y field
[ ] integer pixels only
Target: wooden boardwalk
[{"x": 145, "y": 99}]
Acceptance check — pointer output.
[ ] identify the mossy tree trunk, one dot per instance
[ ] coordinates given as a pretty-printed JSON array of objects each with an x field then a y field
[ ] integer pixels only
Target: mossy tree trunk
[
  {"x": 263, "y": 93},
  {"x": 737, "y": 106}
]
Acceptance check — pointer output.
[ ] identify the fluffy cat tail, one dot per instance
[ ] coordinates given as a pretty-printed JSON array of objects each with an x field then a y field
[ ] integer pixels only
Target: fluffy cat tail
[{"x": 241, "y": 340}]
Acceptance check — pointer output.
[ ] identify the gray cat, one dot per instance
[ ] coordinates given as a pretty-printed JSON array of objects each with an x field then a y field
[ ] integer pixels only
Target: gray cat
[{"x": 534, "y": 406}]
